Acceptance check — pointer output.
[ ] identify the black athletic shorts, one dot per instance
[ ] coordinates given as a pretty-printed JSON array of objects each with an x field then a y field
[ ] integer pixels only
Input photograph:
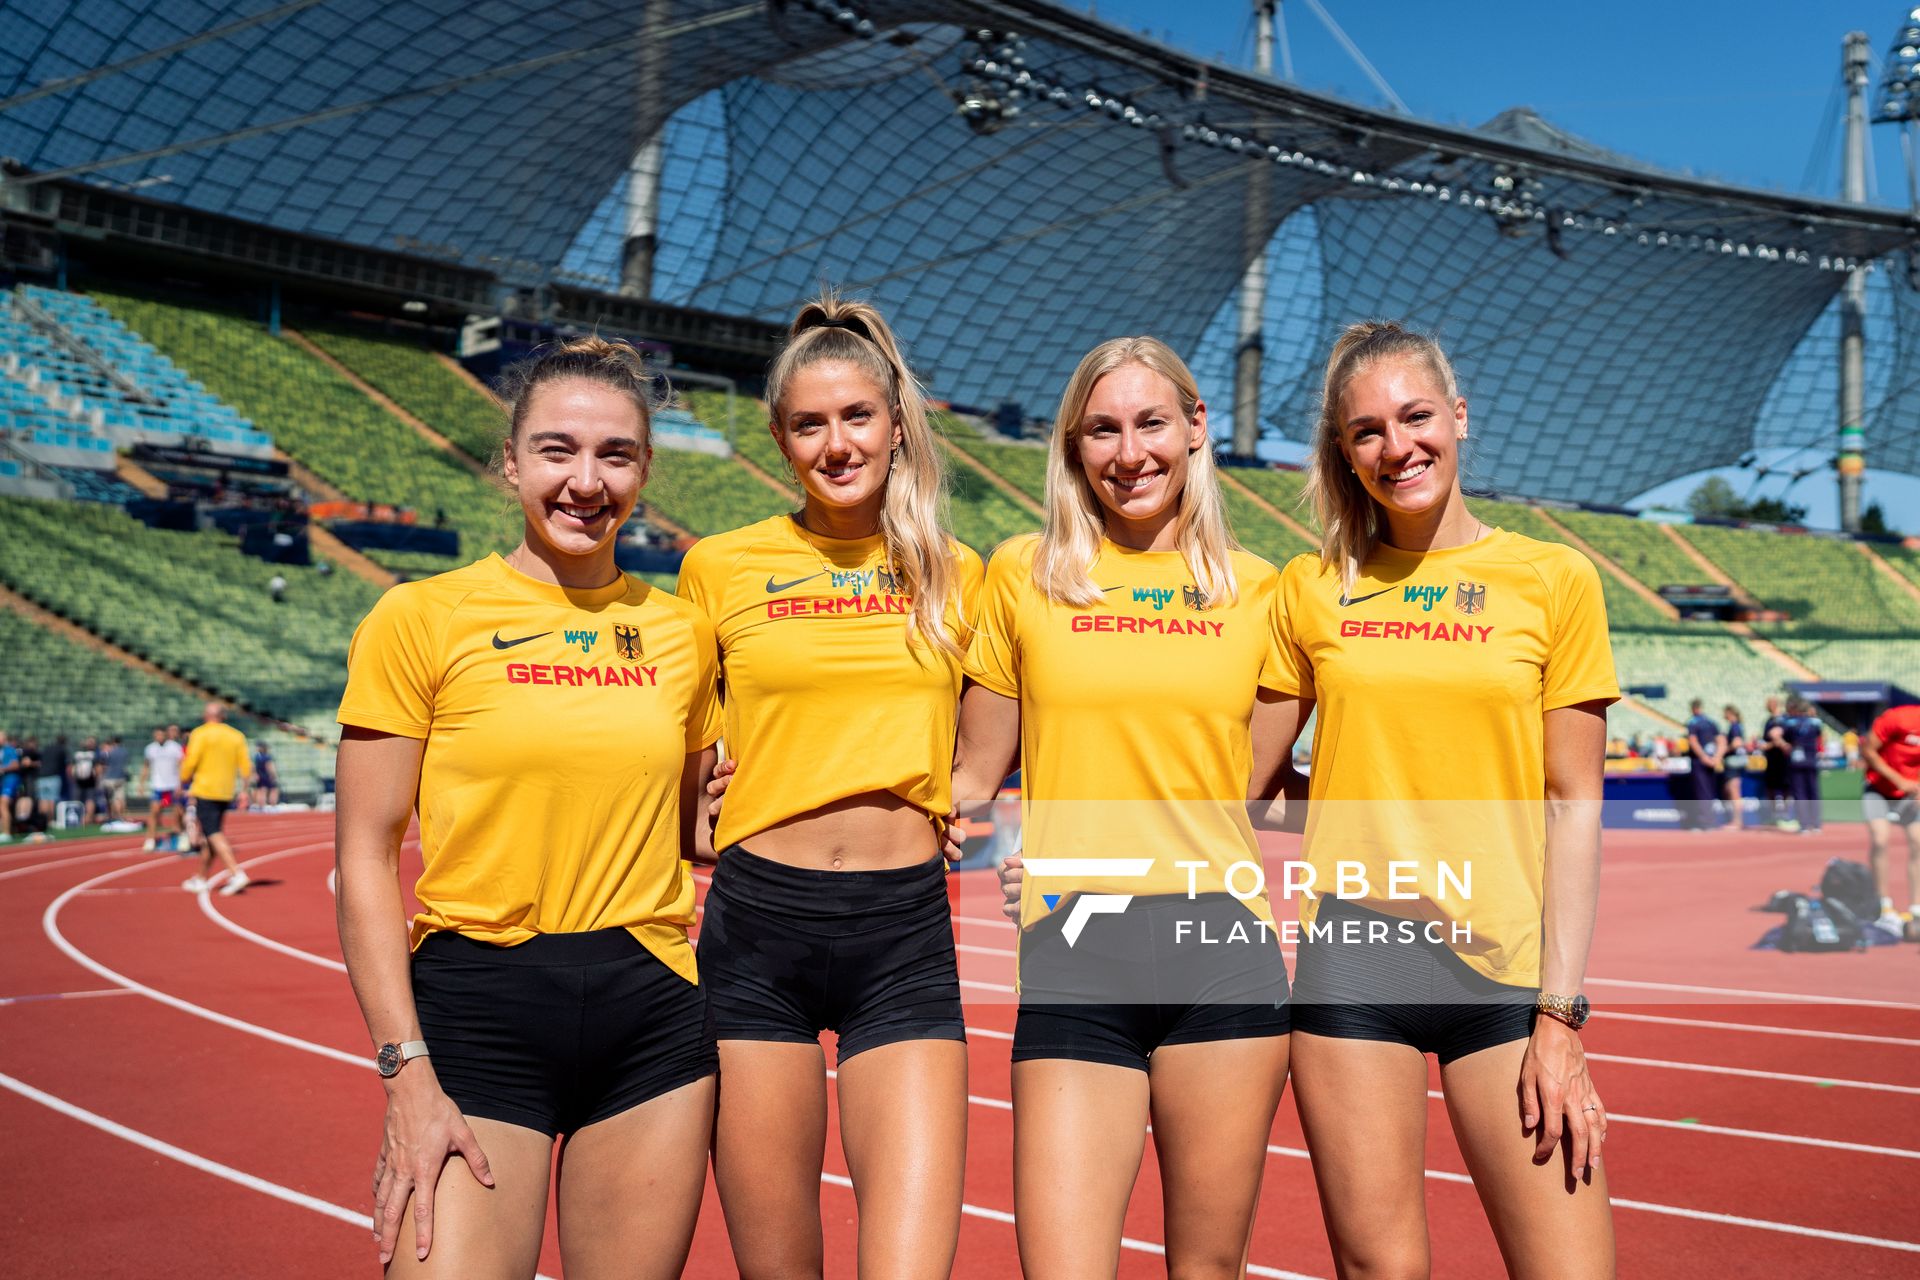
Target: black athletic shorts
[
  {"x": 789, "y": 952},
  {"x": 1368, "y": 985},
  {"x": 1169, "y": 969},
  {"x": 560, "y": 1032},
  {"x": 210, "y": 814}
]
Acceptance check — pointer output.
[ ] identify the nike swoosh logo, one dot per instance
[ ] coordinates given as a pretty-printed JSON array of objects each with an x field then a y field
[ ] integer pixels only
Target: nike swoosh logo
[
  {"x": 1121, "y": 587},
  {"x": 774, "y": 588},
  {"x": 498, "y": 643},
  {"x": 1344, "y": 602}
]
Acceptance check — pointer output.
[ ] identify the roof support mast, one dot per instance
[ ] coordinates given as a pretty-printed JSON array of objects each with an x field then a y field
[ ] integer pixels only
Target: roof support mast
[
  {"x": 1251, "y": 347},
  {"x": 1851, "y": 460},
  {"x": 642, "y": 238}
]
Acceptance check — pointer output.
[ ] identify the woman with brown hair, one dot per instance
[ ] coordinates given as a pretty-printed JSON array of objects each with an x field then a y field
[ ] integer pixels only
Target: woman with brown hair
[{"x": 549, "y": 718}]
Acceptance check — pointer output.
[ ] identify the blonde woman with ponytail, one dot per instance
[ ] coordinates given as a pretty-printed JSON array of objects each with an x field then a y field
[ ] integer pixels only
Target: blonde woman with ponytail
[
  {"x": 1119, "y": 653},
  {"x": 841, "y": 630},
  {"x": 1461, "y": 675}
]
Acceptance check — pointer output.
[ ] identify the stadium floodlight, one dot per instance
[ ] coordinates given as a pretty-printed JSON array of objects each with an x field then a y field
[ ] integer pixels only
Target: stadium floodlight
[{"x": 1899, "y": 99}]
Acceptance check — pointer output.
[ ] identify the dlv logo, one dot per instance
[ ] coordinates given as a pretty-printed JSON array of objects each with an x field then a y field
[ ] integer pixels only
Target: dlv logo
[
  {"x": 1159, "y": 595},
  {"x": 584, "y": 639},
  {"x": 628, "y": 640}
]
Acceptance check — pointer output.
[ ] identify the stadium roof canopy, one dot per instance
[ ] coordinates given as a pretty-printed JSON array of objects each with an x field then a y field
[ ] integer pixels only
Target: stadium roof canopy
[{"x": 1013, "y": 181}]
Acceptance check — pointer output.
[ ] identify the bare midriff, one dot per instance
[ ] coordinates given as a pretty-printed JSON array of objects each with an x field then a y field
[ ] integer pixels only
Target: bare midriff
[{"x": 873, "y": 831}]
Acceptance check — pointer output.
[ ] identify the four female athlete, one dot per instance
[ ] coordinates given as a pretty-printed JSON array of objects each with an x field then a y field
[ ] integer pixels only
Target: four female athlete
[
  {"x": 1151, "y": 677},
  {"x": 552, "y": 717},
  {"x": 1460, "y": 674},
  {"x": 1119, "y": 651},
  {"x": 841, "y": 630}
]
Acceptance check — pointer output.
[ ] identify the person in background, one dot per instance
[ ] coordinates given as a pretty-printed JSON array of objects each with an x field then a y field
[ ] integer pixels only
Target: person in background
[
  {"x": 1735, "y": 770},
  {"x": 266, "y": 777},
  {"x": 113, "y": 778},
  {"x": 55, "y": 783},
  {"x": 1706, "y": 749},
  {"x": 214, "y": 770},
  {"x": 29, "y": 766},
  {"x": 84, "y": 772},
  {"x": 9, "y": 784},
  {"x": 161, "y": 774},
  {"x": 1804, "y": 739},
  {"x": 1891, "y": 753},
  {"x": 1774, "y": 783}
]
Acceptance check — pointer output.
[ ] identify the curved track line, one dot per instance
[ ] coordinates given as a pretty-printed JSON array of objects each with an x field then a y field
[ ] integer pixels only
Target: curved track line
[
  {"x": 11, "y": 872},
  {"x": 158, "y": 1146},
  {"x": 212, "y": 913},
  {"x": 50, "y": 925},
  {"x": 150, "y": 1143},
  {"x": 1753, "y": 1074}
]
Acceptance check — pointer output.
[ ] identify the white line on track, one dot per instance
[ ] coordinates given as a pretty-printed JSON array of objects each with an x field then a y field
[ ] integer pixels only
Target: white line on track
[
  {"x": 1797, "y": 997},
  {"x": 64, "y": 995},
  {"x": 1752, "y": 1074},
  {"x": 1613, "y": 1015},
  {"x": 49, "y": 924},
  {"x": 148, "y": 1142},
  {"x": 11, "y": 872},
  {"x": 212, "y": 913}
]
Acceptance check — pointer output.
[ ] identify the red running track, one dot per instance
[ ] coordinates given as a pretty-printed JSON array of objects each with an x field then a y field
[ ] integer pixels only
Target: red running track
[{"x": 184, "y": 1085}]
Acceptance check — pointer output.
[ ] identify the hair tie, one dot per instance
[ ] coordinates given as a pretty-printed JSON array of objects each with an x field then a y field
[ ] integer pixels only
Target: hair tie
[{"x": 835, "y": 322}]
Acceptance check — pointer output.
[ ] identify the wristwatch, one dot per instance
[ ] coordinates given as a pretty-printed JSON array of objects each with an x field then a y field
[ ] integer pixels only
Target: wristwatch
[
  {"x": 392, "y": 1057},
  {"x": 1572, "y": 1010}
]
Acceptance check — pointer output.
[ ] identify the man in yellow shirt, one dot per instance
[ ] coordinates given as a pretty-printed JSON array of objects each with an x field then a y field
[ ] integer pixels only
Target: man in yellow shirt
[{"x": 216, "y": 766}]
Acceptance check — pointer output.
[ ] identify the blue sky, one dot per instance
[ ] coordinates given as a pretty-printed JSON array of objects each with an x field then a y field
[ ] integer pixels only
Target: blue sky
[{"x": 1738, "y": 92}]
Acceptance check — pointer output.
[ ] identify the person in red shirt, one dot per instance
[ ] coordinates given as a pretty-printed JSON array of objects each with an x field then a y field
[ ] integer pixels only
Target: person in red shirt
[{"x": 1891, "y": 752}]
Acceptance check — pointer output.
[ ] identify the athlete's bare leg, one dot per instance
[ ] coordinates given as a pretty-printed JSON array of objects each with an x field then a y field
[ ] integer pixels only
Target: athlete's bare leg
[
  {"x": 1363, "y": 1105},
  {"x": 1213, "y": 1107},
  {"x": 769, "y": 1145},
  {"x": 903, "y": 1125},
  {"x": 630, "y": 1188},
  {"x": 1550, "y": 1225},
  {"x": 482, "y": 1233},
  {"x": 1079, "y": 1131}
]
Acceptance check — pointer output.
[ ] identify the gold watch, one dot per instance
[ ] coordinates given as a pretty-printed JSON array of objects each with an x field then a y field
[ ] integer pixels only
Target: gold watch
[{"x": 1572, "y": 1010}]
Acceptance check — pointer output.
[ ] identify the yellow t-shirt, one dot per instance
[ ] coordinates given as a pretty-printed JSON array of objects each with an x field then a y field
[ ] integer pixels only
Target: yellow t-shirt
[
  {"x": 1134, "y": 714},
  {"x": 1432, "y": 677},
  {"x": 216, "y": 762},
  {"x": 557, "y": 725},
  {"x": 826, "y": 697}
]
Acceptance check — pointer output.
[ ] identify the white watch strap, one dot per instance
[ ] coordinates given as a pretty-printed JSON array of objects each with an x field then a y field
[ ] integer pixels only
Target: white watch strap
[{"x": 411, "y": 1049}]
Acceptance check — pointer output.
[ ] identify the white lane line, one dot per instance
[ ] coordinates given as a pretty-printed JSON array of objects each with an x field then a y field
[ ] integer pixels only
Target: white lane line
[
  {"x": 150, "y": 1143},
  {"x": 50, "y": 925},
  {"x": 1761, "y": 1028},
  {"x": 984, "y": 951},
  {"x": 1797, "y": 997},
  {"x": 1758, "y": 1135},
  {"x": 1752, "y": 1074},
  {"x": 158, "y": 1146},
  {"x": 68, "y": 862},
  {"x": 1126, "y": 1242},
  {"x": 987, "y": 986},
  {"x": 212, "y": 913},
  {"x": 63, "y": 995}
]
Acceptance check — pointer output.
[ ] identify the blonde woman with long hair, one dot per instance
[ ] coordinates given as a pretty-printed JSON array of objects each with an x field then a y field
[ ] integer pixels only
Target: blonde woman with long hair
[
  {"x": 841, "y": 630},
  {"x": 1461, "y": 675},
  {"x": 1119, "y": 652}
]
